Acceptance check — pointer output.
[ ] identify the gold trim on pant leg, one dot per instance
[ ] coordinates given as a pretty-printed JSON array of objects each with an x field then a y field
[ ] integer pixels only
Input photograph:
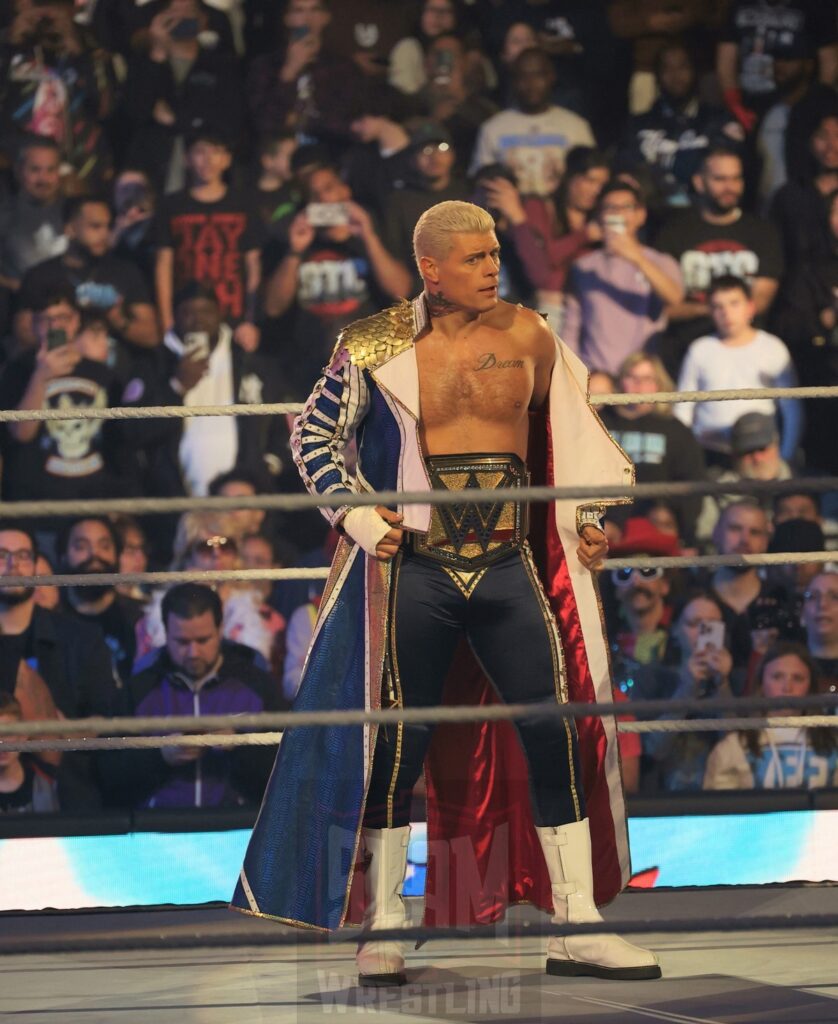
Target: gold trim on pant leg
[
  {"x": 394, "y": 667},
  {"x": 557, "y": 655}
]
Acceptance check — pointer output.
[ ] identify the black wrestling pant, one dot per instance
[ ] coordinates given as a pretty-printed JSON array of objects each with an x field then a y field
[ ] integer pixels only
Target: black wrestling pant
[{"x": 511, "y": 630}]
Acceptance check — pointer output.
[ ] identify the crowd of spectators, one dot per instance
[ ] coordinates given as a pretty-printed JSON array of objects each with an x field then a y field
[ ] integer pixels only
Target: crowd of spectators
[{"x": 196, "y": 197}]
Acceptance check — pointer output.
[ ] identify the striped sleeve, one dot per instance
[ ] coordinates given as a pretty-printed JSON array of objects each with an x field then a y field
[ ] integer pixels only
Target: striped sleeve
[{"x": 325, "y": 427}]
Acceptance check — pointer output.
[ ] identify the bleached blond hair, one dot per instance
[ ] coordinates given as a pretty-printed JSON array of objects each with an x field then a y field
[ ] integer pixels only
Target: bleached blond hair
[{"x": 433, "y": 231}]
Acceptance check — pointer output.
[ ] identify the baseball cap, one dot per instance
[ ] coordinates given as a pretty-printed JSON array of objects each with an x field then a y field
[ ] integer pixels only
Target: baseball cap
[
  {"x": 426, "y": 132},
  {"x": 642, "y": 537},
  {"x": 752, "y": 432}
]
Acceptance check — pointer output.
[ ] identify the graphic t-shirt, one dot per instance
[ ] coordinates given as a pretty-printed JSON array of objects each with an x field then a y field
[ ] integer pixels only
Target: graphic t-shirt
[
  {"x": 534, "y": 146},
  {"x": 335, "y": 283},
  {"x": 67, "y": 458},
  {"x": 767, "y": 31},
  {"x": 209, "y": 242}
]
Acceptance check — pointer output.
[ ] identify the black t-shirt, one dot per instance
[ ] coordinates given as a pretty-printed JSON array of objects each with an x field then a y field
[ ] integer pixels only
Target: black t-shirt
[
  {"x": 209, "y": 242},
  {"x": 99, "y": 283},
  {"x": 20, "y": 799},
  {"x": 67, "y": 458},
  {"x": 765, "y": 31},
  {"x": 13, "y": 650},
  {"x": 748, "y": 248},
  {"x": 662, "y": 449},
  {"x": 118, "y": 626}
]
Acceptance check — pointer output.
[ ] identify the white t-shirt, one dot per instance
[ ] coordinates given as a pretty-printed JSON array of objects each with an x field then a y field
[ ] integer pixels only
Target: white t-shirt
[
  {"x": 532, "y": 145},
  {"x": 209, "y": 444},
  {"x": 712, "y": 365}
]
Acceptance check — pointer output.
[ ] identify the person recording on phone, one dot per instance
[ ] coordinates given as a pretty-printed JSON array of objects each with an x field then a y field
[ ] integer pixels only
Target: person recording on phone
[
  {"x": 101, "y": 281},
  {"x": 201, "y": 365},
  {"x": 617, "y": 296},
  {"x": 336, "y": 270},
  {"x": 65, "y": 369}
]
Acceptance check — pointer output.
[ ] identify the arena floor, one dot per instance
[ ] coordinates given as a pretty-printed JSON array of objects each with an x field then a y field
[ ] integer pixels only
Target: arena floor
[{"x": 207, "y": 966}]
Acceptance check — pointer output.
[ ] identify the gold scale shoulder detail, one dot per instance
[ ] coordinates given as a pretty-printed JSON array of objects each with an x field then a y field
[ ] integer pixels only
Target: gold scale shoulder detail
[{"x": 375, "y": 339}]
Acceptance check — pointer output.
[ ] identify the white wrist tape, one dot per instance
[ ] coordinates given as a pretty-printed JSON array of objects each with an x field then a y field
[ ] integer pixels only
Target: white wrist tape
[{"x": 365, "y": 526}]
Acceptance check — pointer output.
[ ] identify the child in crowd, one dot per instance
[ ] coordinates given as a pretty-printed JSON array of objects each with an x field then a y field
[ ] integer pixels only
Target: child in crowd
[
  {"x": 737, "y": 356},
  {"x": 778, "y": 757}
]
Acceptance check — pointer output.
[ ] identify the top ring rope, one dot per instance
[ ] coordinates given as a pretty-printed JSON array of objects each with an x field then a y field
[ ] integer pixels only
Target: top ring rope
[{"x": 184, "y": 412}]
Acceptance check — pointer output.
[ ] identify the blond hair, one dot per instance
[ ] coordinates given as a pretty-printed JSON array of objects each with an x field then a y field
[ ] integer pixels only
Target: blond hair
[
  {"x": 432, "y": 234},
  {"x": 662, "y": 379},
  {"x": 197, "y": 526}
]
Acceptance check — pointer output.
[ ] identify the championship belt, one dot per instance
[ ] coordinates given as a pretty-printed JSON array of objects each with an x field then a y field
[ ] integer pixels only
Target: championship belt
[{"x": 469, "y": 535}]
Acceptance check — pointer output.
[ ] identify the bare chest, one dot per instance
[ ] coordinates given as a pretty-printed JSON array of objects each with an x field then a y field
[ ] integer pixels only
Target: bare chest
[{"x": 485, "y": 378}]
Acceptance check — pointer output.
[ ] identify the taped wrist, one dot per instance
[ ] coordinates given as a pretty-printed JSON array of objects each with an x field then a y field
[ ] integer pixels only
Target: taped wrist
[{"x": 365, "y": 526}]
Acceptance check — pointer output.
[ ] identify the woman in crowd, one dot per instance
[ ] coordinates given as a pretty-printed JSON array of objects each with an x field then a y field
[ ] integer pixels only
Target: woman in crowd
[
  {"x": 704, "y": 670},
  {"x": 549, "y": 234},
  {"x": 779, "y": 757},
  {"x": 407, "y": 59}
]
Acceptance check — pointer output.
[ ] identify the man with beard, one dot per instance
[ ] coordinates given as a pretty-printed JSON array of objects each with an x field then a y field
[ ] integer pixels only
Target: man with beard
[
  {"x": 715, "y": 238},
  {"x": 91, "y": 545},
  {"x": 70, "y": 657},
  {"x": 101, "y": 281}
]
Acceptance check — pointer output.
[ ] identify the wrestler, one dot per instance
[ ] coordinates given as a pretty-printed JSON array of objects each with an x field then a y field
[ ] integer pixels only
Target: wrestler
[{"x": 438, "y": 394}]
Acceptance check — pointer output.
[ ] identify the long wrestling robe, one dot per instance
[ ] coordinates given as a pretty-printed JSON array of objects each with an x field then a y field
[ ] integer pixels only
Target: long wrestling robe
[{"x": 483, "y": 850}]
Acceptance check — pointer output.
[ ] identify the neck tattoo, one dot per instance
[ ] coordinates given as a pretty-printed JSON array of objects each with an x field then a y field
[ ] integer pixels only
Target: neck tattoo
[{"x": 439, "y": 305}]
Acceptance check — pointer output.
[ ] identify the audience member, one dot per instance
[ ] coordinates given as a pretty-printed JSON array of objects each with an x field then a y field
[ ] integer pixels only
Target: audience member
[
  {"x": 455, "y": 93},
  {"x": 517, "y": 37},
  {"x": 714, "y": 239},
  {"x": 704, "y": 670},
  {"x": 549, "y": 233},
  {"x": 211, "y": 235},
  {"x": 203, "y": 366},
  {"x": 803, "y": 505},
  {"x": 784, "y": 133},
  {"x": 434, "y": 180},
  {"x": 779, "y": 757},
  {"x": 68, "y": 369},
  {"x": 257, "y": 552},
  {"x": 210, "y": 543},
  {"x": 334, "y": 273},
  {"x": 133, "y": 555},
  {"x": 820, "y": 620},
  {"x": 46, "y": 596},
  {"x": 102, "y": 282},
  {"x": 533, "y": 137},
  {"x": 660, "y": 446},
  {"x": 737, "y": 355},
  {"x": 301, "y": 86},
  {"x": 91, "y": 545},
  {"x": 406, "y": 71},
  {"x": 617, "y": 296},
  {"x": 132, "y": 237},
  {"x": 27, "y": 783},
  {"x": 641, "y": 628},
  {"x": 802, "y": 207},
  {"x": 743, "y": 529},
  {"x": 755, "y": 455},
  {"x": 757, "y": 34},
  {"x": 31, "y": 221},
  {"x": 807, "y": 318},
  {"x": 795, "y": 536},
  {"x": 196, "y": 673},
  {"x": 278, "y": 195},
  {"x": 675, "y": 134},
  {"x": 175, "y": 89},
  {"x": 55, "y": 81},
  {"x": 68, "y": 655}
]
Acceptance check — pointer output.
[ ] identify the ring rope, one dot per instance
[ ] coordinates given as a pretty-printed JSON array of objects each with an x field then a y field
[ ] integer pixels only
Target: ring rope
[
  {"x": 268, "y": 739},
  {"x": 96, "y": 579},
  {"x": 296, "y": 502},
  {"x": 386, "y": 716},
  {"x": 184, "y": 412}
]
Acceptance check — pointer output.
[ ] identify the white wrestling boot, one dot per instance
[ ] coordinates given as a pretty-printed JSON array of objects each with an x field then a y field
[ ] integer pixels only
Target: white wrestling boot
[
  {"x": 382, "y": 963},
  {"x": 567, "y": 851}
]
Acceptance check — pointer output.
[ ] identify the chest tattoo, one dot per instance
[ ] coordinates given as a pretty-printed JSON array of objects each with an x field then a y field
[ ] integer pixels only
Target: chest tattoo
[{"x": 489, "y": 361}]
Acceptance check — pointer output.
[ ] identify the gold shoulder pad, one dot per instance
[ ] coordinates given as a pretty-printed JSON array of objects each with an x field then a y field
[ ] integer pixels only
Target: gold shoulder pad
[{"x": 375, "y": 339}]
